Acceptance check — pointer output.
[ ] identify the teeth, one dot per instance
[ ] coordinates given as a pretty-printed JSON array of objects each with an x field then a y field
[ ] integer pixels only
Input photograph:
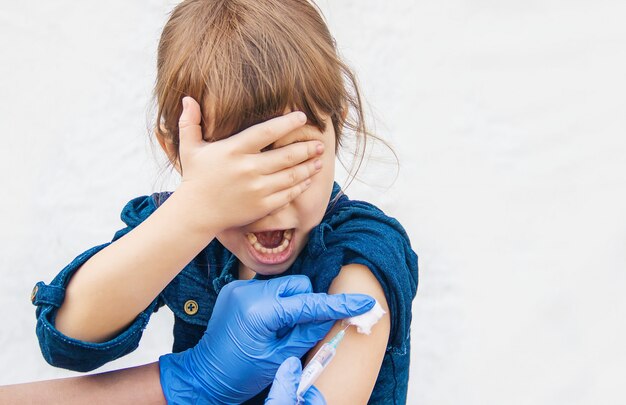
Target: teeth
[{"x": 278, "y": 249}]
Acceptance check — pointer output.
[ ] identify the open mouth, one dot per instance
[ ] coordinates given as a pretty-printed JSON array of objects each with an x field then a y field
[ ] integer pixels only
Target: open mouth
[
  {"x": 270, "y": 241},
  {"x": 271, "y": 247}
]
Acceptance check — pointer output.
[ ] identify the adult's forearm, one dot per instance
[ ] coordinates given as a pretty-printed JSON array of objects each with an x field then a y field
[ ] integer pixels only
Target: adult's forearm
[
  {"x": 108, "y": 292},
  {"x": 137, "y": 385}
]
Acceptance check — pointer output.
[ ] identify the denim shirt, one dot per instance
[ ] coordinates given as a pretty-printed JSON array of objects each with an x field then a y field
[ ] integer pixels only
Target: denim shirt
[{"x": 350, "y": 232}]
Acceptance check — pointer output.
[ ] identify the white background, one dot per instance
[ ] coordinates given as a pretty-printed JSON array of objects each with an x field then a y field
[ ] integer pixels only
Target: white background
[{"x": 509, "y": 121}]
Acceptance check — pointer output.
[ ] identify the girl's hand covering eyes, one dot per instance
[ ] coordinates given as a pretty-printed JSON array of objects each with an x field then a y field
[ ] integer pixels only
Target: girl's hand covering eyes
[{"x": 230, "y": 181}]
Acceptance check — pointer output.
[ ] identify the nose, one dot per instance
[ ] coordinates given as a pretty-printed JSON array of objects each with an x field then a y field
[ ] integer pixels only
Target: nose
[{"x": 280, "y": 211}]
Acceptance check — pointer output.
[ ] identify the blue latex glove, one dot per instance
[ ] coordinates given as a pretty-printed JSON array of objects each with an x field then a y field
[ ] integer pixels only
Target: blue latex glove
[
  {"x": 285, "y": 386},
  {"x": 255, "y": 326}
]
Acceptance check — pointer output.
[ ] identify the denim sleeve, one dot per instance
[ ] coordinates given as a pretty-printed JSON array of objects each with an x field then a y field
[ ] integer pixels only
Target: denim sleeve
[
  {"x": 362, "y": 234},
  {"x": 63, "y": 351}
]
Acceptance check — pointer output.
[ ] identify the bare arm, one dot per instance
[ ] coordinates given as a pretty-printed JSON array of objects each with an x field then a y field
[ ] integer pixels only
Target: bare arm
[
  {"x": 137, "y": 385},
  {"x": 121, "y": 280},
  {"x": 114, "y": 286},
  {"x": 351, "y": 376}
]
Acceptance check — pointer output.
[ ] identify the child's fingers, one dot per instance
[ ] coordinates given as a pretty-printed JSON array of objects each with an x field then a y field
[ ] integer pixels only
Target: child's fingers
[
  {"x": 293, "y": 176},
  {"x": 189, "y": 130},
  {"x": 257, "y": 137},
  {"x": 284, "y": 197},
  {"x": 288, "y": 156}
]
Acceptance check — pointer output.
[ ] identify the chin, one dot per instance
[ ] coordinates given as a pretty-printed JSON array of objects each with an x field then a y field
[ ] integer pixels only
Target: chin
[{"x": 275, "y": 270}]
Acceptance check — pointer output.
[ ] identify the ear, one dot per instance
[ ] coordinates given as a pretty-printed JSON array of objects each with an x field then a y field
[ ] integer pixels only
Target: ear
[
  {"x": 344, "y": 112},
  {"x": 168, "y": 147}
]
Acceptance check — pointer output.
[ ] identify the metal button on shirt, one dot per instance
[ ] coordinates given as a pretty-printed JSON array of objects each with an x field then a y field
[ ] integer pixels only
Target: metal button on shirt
[{"x": 191, "y": 307}]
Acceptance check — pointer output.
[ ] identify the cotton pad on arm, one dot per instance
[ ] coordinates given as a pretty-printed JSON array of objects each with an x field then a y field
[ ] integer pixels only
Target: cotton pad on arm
[{"x": 364, "y": 322}]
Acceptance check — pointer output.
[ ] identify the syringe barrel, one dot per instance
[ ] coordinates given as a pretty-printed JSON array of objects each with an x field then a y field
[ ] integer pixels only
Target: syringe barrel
[
  {"x": 315, "y": 367},
  {"x": 325, "y": 354}
]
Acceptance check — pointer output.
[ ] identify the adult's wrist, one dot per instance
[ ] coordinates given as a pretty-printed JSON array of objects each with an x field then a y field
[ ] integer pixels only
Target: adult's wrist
[{"x": 180, "y": 383}]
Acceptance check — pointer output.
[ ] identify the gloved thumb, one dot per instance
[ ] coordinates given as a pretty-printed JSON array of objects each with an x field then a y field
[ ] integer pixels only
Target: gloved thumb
[
  {"x": 290, "y": 285},
  {"x": 313, "y": 396},
  {"x": 285, "y": 385}
]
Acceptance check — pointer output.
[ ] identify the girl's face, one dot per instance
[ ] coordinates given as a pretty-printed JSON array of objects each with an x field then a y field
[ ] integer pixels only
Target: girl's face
[{"x": 271, "y": 244}]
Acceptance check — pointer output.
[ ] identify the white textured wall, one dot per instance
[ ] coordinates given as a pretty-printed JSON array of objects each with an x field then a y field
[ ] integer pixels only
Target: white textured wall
[{"x": 509, "y": 119}]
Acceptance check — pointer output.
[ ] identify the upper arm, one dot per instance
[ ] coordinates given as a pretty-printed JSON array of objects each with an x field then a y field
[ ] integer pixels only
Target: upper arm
[{"x": 350, "y": 377}]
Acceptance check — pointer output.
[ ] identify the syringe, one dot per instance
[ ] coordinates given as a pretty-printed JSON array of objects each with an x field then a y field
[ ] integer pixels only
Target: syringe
[{"x": 319, "y": 362}]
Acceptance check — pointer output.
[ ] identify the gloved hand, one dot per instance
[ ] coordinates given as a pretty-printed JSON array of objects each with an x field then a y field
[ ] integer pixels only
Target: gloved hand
[
  {"x": 285, "y": 386},
  {"x": 255, "y": 326}
]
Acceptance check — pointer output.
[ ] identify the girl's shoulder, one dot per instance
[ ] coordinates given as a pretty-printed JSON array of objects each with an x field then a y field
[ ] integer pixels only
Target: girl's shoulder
[
  {"x": 357, "y": 232},
  {"x": 350, "y": 222}
]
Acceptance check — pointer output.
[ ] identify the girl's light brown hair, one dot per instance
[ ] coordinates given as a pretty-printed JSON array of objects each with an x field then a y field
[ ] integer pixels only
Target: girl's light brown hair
[{"x": 246, "y": 61}]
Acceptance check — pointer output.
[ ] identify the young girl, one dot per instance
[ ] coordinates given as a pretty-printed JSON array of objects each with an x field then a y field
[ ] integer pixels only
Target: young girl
[{"x": 253, "y": 102}]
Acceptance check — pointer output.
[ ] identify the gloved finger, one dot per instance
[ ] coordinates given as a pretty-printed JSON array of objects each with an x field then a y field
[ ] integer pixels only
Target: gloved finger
[
  {"x": 290, "y": 285},
  {"x": 285, "y": 383},
  {"x": 313, "y": 396},
  {"x": 304, "y": 308},
  {"x": 303, "y": 337}
]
